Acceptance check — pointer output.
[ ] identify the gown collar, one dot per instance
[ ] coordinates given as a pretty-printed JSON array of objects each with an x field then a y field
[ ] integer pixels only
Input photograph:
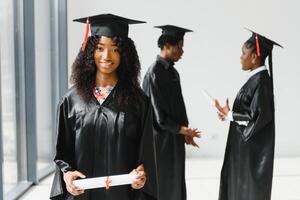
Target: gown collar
[
  {"x": 255, "y": 71},
  {"x": 165, "y": 62}
]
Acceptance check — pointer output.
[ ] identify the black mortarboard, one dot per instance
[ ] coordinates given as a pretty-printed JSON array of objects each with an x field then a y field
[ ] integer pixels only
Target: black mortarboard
[
  {"x": 264, "y": 47},
  {"x": 262, "y": 43},
  {"x": 173, "y": 30},
  {"x": 107, "y": 25}
]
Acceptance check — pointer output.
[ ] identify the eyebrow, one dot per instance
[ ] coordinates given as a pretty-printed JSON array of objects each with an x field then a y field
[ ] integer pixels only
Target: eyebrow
[{"x": 115, "y": 45}]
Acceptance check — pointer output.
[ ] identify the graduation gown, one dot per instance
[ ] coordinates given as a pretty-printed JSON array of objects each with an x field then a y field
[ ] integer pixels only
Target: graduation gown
[
  {"x": 248, "y": 164},
  {"x": 162, "y": 84},
  {"x": 101, "y": 140}
]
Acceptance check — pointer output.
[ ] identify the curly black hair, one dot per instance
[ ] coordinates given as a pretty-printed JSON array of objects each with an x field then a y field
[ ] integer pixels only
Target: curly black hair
[{"x": 84, "y": 70}]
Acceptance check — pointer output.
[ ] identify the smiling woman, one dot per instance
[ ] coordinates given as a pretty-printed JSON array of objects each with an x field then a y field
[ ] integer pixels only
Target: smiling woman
[
  {"x": 105, "y": 120},
  {"x": 107, "y": 60},
  {"x": 107, "y": 56}
]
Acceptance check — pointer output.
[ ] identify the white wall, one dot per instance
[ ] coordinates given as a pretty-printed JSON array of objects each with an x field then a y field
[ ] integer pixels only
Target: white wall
[{"x": 211, "y": 58}]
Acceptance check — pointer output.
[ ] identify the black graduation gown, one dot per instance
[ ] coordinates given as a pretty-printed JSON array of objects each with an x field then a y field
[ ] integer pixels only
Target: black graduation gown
[
  {"x": 248, "y": 164},
  {"x": 100, "y": 140},
  {"x": 162, "y": 84}
]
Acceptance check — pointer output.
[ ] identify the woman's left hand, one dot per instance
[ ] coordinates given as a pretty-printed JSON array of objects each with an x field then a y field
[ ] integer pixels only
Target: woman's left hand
[{"x": 141, "y": 178}]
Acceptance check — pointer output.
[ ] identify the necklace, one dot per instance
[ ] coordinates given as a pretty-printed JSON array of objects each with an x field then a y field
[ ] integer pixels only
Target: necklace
[{"x": 101, "y": 93}]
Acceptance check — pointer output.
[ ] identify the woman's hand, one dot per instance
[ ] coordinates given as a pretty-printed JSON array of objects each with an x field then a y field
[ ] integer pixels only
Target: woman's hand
[
  {"x": 222, "y": 111},
  {"x": 69, "y": 177},
  {"x": 141, "y": 178}
]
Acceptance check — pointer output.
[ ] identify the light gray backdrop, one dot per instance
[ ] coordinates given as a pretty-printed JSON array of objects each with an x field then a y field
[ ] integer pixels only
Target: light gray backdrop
[{"x": 211, "y": 59}]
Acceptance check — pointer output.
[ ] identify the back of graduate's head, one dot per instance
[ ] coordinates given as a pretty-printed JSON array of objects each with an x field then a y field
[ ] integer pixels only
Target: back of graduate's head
[{"x": 115, "y": 29}]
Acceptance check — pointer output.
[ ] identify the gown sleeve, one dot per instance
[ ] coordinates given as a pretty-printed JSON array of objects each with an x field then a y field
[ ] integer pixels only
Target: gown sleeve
[
  {"x": 64, "y": 158},
  {"x": 154, "y": 90},
  {"x": 261, "y": 112},
  {"x": 147, "y": 154},
  {"x": 241, "y": 116}
]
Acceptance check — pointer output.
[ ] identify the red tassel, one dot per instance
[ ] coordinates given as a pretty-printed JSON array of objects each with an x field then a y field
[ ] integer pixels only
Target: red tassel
[
  {"x": 86, "y": 35},
  {"x": 257, "y": 46}
]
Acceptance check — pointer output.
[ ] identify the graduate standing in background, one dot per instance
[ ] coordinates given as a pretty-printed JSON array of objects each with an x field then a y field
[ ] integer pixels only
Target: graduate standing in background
[
  {"x": 104, "y": 122},
  {"x": 162, "y": 84},
  {"x": 247, "y": 170}
]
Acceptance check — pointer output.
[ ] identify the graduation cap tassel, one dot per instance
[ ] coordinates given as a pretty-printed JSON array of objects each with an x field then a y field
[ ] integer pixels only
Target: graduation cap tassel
[
  {"x": 86, "y": 35},
  {"x": 257, "y": 46}
]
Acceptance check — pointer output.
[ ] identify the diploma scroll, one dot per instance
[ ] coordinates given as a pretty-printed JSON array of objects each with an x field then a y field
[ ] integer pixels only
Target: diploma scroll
[
  {"x": 209, "y": 98},
  {"x": 105, "y": 181}
]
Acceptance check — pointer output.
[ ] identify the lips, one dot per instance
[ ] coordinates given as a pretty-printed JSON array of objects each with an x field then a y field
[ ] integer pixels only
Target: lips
[{"x": 106, "y": 64}]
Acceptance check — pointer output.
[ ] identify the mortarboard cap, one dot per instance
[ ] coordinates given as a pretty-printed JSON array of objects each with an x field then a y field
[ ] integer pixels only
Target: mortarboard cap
[
  {"x": 173, "y": 30},
  {"x": 108, "y": 24},
  {"x": 263, "y": 44}
]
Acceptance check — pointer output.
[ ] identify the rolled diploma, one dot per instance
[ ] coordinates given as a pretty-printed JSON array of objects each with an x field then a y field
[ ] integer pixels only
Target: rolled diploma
[
  {"x": 99, "y": 182},
  {"x": 209, "y": 98}
]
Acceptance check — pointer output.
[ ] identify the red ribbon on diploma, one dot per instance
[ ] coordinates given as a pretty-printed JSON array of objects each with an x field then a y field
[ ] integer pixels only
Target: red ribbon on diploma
[{"x": 107, "y": 182}]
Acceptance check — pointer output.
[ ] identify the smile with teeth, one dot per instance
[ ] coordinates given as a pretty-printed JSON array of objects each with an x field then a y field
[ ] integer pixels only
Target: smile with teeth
[{"x": 106, "y": 64}]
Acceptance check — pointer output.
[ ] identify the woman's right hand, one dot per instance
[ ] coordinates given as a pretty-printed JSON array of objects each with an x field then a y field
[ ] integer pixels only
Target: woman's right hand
[
  {"x": 222, "y": 110},
  {"x": 69, "y": 177}
]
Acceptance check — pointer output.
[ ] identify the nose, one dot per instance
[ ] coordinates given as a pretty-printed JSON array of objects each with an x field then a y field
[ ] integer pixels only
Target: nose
[{"x": 105, "y": 55}]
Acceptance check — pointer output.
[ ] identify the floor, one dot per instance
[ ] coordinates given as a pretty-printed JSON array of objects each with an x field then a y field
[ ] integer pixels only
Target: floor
[{"x": 202, "y": 177}]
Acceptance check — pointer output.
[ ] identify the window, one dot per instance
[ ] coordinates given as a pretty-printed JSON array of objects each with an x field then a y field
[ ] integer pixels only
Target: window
[{"x": 8, "y": 96}]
